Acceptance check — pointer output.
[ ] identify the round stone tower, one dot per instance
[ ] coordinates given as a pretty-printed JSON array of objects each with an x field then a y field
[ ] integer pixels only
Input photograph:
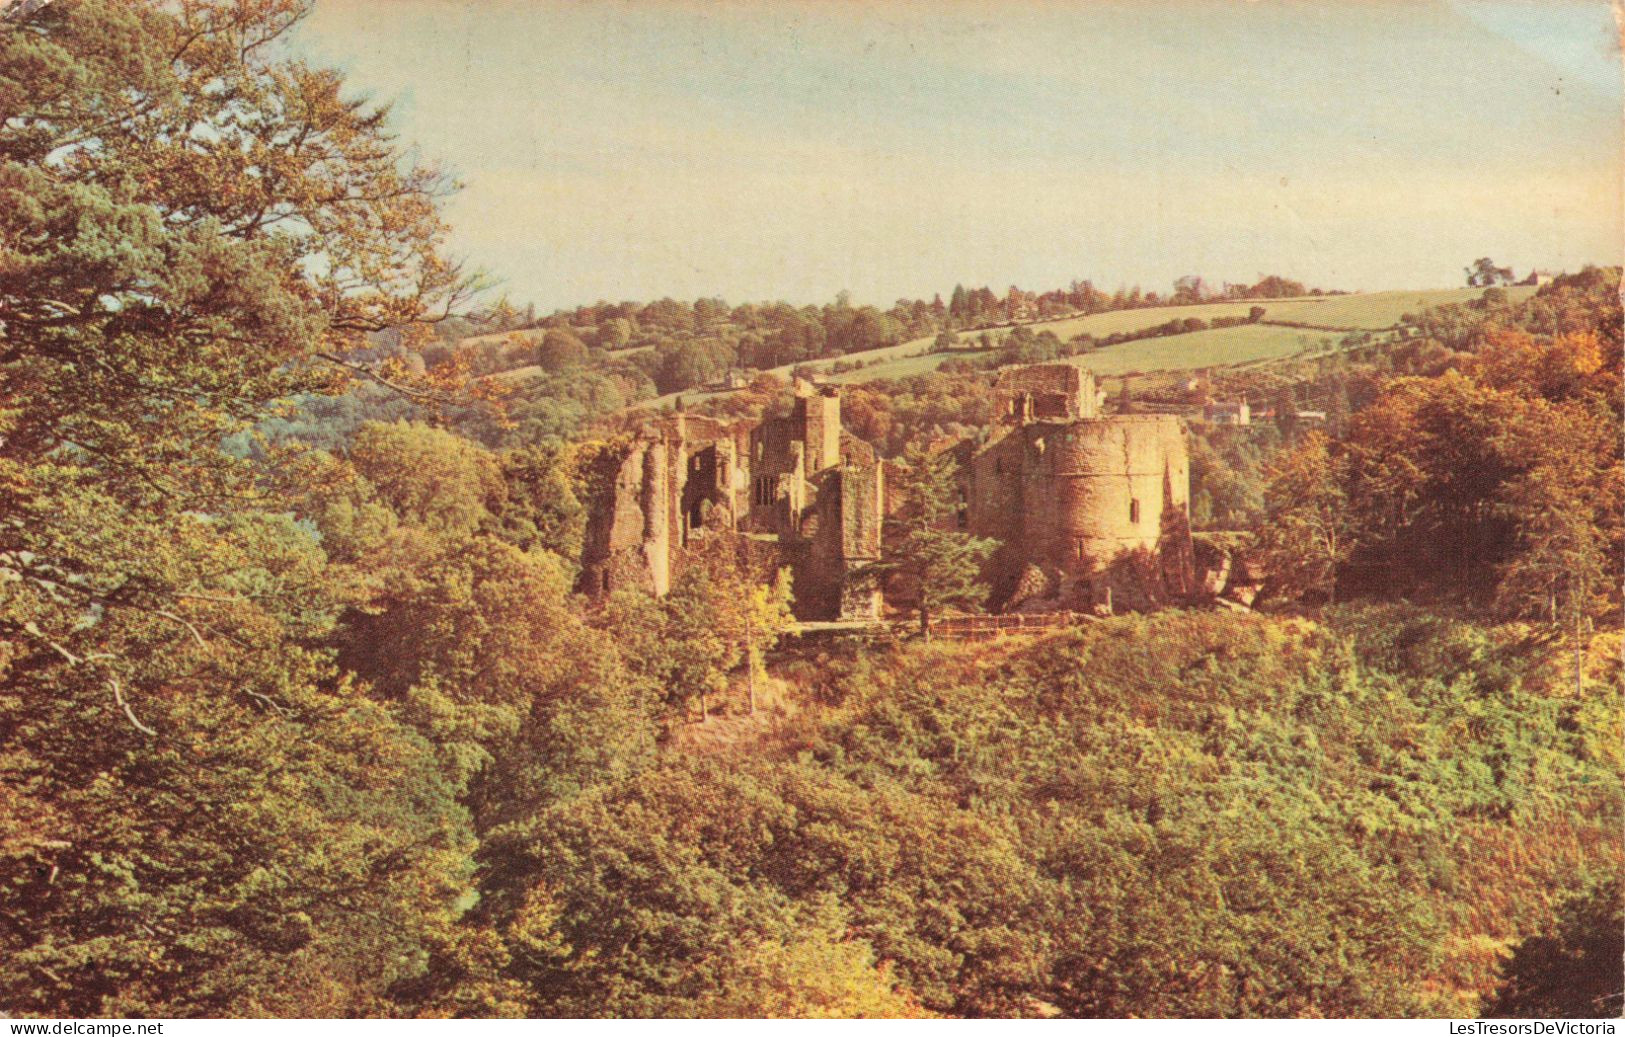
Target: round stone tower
[
  {"x": 1087, "y": 510},
  {"x": 1117, "y": 485}
]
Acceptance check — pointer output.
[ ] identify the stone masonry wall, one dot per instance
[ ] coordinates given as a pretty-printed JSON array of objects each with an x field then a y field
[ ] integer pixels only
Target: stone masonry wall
[{"x": 1075, "y": 499}]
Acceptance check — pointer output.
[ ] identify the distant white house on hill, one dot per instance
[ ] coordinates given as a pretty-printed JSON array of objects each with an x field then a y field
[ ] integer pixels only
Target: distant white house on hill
[
  {"x": 1538, "y": 278},
  {"x": 1237, "y": 413}
]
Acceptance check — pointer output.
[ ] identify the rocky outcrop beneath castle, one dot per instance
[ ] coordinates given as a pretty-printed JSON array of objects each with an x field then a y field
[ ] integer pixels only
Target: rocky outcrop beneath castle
[{"x": 1226, "y": 571}]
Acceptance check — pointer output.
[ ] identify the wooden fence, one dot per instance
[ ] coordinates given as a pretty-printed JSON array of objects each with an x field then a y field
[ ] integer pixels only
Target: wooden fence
[
  {"x": 986, "y": 628},
  {"x": 948, "y": 628}
]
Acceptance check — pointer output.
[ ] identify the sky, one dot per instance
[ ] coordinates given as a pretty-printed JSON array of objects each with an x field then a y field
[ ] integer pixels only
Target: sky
[{"x": 613, "y": 150}]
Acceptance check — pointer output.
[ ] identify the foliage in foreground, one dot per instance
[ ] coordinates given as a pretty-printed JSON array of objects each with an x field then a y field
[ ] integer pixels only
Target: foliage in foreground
[{"x": 1242, "y": 820}]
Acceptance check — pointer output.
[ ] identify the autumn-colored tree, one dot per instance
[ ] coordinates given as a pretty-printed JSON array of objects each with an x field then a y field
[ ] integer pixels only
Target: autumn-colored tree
[
  {"x": 560, "y": 351},
  {"x": 1563, "y": 566},
  {"x": 764, "y": 617},
  {"x": 1425, "y": 462},
  {"x": 429, "y": 477},
  {"x": 814, "y": 971},
  {"x": 1555, "y": 369},
  {"x": 722, "y": 611},
  {"x": 212, "y": 823},
  {"x": 699, "y": 653},
  {"x": 1307, "y": 530},
  {"x": 541, "y": 506}
]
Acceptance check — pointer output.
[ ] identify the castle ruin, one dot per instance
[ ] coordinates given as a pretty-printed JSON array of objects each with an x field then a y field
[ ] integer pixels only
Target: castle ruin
[
  {"x": 1090, "y": 511},
  {"x": 798, "y": 491}
]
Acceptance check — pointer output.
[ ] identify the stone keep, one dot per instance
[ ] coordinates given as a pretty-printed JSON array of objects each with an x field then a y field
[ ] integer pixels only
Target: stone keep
[{"x": 1084, "y": 505}]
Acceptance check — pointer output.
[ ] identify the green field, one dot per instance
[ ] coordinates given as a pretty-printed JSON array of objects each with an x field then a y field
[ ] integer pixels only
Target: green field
[
  {"x": 519, "y": 374},
  {"x": 497, "y": 337},
  {"x": 1374, "y": 310},
  {"x": 1369, "y": 311},
  {"x": 1217, "y": 347}
]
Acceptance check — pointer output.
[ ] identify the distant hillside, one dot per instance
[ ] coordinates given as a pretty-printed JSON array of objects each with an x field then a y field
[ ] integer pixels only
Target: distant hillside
[{"x": 1289, "y": 327}]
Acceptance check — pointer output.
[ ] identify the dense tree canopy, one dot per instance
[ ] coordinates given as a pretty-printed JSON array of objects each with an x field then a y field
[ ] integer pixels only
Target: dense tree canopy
[{"x": 203, "y": 816}]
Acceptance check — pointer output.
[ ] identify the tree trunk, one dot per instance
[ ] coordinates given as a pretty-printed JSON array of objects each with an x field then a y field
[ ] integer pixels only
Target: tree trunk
[
  {"x": 1331, "y": 582},
  {"x": 1579, "y": 656},
  {"x": 750, "y": 663}
]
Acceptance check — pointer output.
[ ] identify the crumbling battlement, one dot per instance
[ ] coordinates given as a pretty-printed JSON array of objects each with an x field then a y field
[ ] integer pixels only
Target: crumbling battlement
[
  {"x": 800, "y": 481},
  {"x": 1045, "y": 392}
]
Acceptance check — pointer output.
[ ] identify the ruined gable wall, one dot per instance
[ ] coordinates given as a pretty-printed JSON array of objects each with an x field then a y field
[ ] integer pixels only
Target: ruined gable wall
[
  {"x": 777, "y": 490},
  {"x": 627, "y": 542}
]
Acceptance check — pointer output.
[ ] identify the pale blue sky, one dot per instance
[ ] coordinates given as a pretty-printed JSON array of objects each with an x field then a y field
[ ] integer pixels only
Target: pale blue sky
[{"x": 615, "y": 150}]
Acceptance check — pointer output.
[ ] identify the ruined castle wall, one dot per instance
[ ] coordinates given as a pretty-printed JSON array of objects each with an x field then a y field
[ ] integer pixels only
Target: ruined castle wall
[
  {"x": 855, "y": 451},
  {"x": 1110, "y": 482},
  {"x": 996, "y": 506},
  {"x": 777, "y": 492},
  {"x": 862, "y": 488},
  {"x": 1073, "y": 500},
  {"x": 819, "y": 419},
  {"x": 863, "y": 493},
  {"x": 707, "y": 491},
  {"x": 689, "y": 481},
  {"x": 628, "y": 542},
  {"x": 817, "y": 564},
  {"x": 1054, "y": 392}
]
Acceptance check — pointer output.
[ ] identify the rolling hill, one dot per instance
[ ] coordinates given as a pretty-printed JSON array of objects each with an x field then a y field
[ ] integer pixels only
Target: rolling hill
[{"x": 1290, "y": 326}]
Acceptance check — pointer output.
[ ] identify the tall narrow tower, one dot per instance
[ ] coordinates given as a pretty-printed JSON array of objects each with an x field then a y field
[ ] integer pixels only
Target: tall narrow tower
[{"x": 818, "y": 413}]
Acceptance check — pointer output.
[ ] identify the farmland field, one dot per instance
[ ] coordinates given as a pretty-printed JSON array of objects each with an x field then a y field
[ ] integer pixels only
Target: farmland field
[
  {"x": 1364, "y": 312},
  {"x": 519, "y": 374},
  {"x": 1216, "y": 347},
  {"x": 1368, "y": 311},
  {"x": 1374, "y": 310}
]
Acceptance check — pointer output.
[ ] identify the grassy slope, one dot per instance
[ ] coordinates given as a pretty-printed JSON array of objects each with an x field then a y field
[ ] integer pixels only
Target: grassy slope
[
  {"x": 1389, "y": 748},
  {"x": 1212, "y": 348},
  {"x": 1217, "y": 347},
  {"x": 1222, "y": 347}
]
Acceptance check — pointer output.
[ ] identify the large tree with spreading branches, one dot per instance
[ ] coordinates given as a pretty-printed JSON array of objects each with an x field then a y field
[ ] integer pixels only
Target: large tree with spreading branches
[{"x": 200, "y": 815}]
